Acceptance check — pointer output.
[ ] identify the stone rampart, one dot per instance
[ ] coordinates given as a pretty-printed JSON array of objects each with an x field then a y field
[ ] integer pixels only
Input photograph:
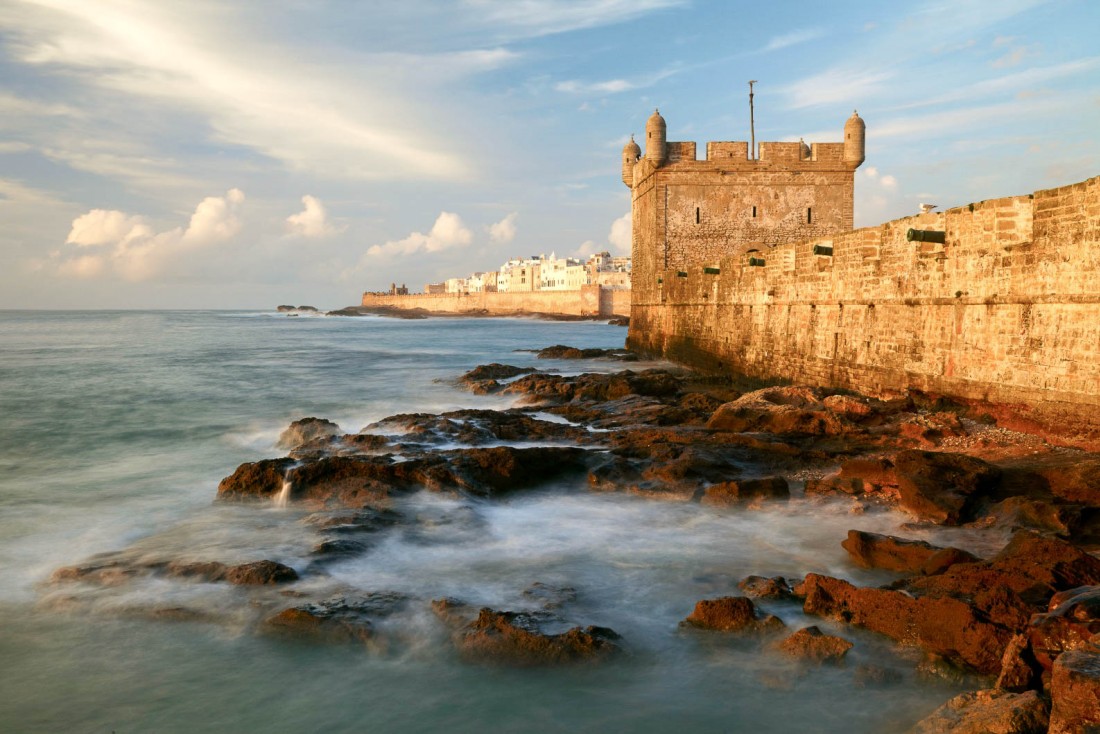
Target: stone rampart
[
  {"x": 591, "y": 300},
  {"x": 1005, "y": 312}
]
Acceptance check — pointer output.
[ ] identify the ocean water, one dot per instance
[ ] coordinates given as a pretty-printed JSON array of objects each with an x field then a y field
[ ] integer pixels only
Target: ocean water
[{"x": 115, "y": 428}]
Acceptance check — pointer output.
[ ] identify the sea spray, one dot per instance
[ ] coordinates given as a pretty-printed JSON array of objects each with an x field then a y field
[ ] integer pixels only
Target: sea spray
[{"x": 282, "y": 499}]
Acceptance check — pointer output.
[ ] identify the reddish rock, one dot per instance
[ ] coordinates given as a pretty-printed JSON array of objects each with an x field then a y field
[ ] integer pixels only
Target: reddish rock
[
  {"x": 727, "y": 494},
  {"x": 305, "y": 430},
  {"x": 500, "y": 470},
  {"x": 858, "y": 477},
  {"x": 339, "y": 619},
  {"x": 940, "y": 487},
  {"x": 813, "y": 645},
  {"x": 197, "y": 570},
  {"x": 1020, "y": 671},
  {"x": 1036, "y": 514},
  {"x": 871, "y": 550},
  {"x": 513, "y": 638},
  {"x": 988, "y": 712},
  {"x": 257, "y": 480},
  {"x": 1075, "y": 693},
  {"x": 945, "y": 626},
  {"x": 731, "y": 614},
  {"x": 1074, "y": 478},
  {"x": 1073, "y": 619},
  {"x": 779, "y": 410},
  {"x": 260, "y": 573}
]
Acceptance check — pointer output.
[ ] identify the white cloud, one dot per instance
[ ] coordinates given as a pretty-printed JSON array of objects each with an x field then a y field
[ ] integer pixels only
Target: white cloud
[
  {"x": 621, "y": 234},
  {"x": 447, "y": 233},
  {"x": 504, "y": 231},
  {"x": 834, "y": 86},
  {"x": 794, "y": 38},
  {"x": 888, "y": 182},
  {"x": 126, "y": 246},
  {"x": 545, "y": 17},
  {"x": 312, "y": 222}
]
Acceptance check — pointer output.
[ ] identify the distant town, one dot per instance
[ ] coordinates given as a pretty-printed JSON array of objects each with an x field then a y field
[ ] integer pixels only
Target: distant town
[{"x": 537, "y": 273}]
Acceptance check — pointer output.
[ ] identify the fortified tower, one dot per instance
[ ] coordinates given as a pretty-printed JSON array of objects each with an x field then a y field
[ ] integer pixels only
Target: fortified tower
[{"x": 691, "y": 213}]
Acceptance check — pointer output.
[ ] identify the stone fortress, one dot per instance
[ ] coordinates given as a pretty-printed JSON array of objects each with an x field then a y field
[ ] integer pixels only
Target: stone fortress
[{"x": 749, "y": 264}]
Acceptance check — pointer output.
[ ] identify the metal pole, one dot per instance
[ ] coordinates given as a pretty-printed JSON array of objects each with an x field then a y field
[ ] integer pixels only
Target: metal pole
[{"x": 752, "y": 122}]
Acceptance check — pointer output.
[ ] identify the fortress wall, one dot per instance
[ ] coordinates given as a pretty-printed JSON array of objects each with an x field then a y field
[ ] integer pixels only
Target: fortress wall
[
  {"x": 588, "y": 301},
  {"x": 1005, "y": 313}
]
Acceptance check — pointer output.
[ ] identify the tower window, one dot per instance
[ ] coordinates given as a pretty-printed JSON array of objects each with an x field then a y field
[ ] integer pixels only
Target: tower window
[
  {"x": 809, "y": 216},
  {"x": 696, "y": 215},
  {"x": 754, "y": 212}
]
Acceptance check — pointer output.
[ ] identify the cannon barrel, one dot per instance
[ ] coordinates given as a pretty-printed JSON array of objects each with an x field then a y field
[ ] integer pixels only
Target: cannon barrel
[{"x": 926, "y": 235}]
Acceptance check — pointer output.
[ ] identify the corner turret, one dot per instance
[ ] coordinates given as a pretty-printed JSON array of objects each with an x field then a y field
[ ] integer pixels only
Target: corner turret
[
  {"x": 855, "y": 133},
  {"x": 631, "y": 154},
  {"x": 656, "y": 150}
]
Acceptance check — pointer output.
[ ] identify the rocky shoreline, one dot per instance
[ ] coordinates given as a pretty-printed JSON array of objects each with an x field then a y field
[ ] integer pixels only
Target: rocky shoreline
[{"x": 1025, "y": 620}]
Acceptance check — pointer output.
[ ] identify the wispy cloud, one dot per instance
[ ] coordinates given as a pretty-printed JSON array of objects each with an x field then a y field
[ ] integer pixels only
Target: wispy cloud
[
  {"x": 837, "y": 85},
  {"x": 546, "y": 17},
  {"x": 794, "y": 38},
  {"x": 615, "y": 86}
]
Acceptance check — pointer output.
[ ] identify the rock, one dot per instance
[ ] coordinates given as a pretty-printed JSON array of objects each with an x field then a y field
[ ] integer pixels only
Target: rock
[
  {"x": 1074, "y": 478},
  {"x": 478, "y": 426},
  {"x": 1075, "y": 693},
  {"x": 731, "y": 614},
  {"x": 353, "y": 481},
  {"x": 454, "y": 612},
  {"x": 1074, "y": 617},
  {"x": 560, "y": 351},
  {"x": 945, "y": 626},
  {"x": 260, "y": 573},
  {"x": 858, "y": 477},
  {"x": 338, "y": 619},
  {"x": 812, "y": 645},
  {"x": 1020, "y": 671},
  {"x": 940, "y": 487},
  {"x": 779, "y": 410},
  {"x": 727, "y": 494},
  {"x": 104, "y": 573},
  {"x": 208, "y": 571},
  {"x": 867, "y": 676},
  {"x": 257, "y": 480},
  {"x": 305, "y": 430},
  {"x": 550, "y": 597},
  {"x": 871, "y": 550},
  {"x": 490, "y": 472},
  {"x": 495, "y": 371},
  {"x": 514, "y": 638},
  {"x": 760, "y": 587},
  {"x": 988, "y": 712},
  {"x": 339, "y": 548},
  {"x": 1035, "y": 514}
]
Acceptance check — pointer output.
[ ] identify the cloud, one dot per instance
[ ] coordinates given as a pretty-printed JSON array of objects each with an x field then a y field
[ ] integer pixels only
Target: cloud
[
  {"x": 546, "y": 17},
  {"x": 615, "y": 86},
  {"x": 794, "y": 38},
  {"x": 504, "y": 231},
  {"x": 834, "y": 86},
  {"x": 447, "y": 233},
  {"x": 621, "y": 234},
  {"x": 111, "y": 242},
  {"x": 886, "y": 181},
  {"x": 312, "y": 222}
]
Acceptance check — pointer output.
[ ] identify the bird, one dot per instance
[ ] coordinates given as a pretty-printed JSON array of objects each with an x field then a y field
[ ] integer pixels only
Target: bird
[{"x": 925, "y": 208}]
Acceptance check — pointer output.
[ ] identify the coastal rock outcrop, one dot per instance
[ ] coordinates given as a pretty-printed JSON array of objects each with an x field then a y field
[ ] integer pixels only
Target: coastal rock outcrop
[
  {"x": 1075, "y": 692},
  {"x": 988, "y": 712},
  {"x": 344, "y": 618},
  {"x": 871, "y": 550},
  {"x": 305, "y": 430},
  {"x": 514, "y": 638},
  {"x": 731, "y": 614},
  {"x": 942, "y": 487},
  {"x": 813, "y": 645}
]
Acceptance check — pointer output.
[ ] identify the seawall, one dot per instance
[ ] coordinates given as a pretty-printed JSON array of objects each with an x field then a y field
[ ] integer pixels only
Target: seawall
[
  {"x": 1005, "y": 313},
  {"x": 591, "y": 300}
]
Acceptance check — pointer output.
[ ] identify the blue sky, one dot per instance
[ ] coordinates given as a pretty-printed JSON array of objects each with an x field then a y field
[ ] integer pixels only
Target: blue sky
[{"x": 158, "y": 154}]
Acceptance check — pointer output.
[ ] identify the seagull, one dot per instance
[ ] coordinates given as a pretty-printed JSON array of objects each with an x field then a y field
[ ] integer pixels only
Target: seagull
[{"x": 925, "y": 208}]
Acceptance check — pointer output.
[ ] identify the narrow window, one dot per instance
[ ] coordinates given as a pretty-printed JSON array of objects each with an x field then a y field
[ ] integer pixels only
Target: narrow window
[
  {"x": 754, "y": 212},
  {"x": 696, "y": 215},
  {"x": 809, "y": 216}
]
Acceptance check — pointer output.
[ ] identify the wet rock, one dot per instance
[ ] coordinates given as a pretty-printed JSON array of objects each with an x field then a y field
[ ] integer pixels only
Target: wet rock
[
  {"x": 1073, "y": 619},
  {"x": 988, "y": 712},
  {"x": 813, "y": 645},
  {"x": 945, "y": 626},
  {"x": 339, "y": 548},
  {"x": 102, "y": 573},
  {"x": 353, "y": 481},
  {"x": 761, "y": 587},
  {"x": 1020, "y": 671},
  {"x": 365, "y": 520},
  {"x": 514, "y": 638},
  {"x": 596, "y": 387},
  {"x": 931, "y": 429},
  {"x": 495, "y": 371},
  {"x": 731, "y": 614},
  {"x": 337, "y": 619},
  {"x": 259, "y": 573},
  {"x": 197, "y": 570},
  {"x": 1072, "y": 478},
  {"x": 490, "y": 472},
  {"x": 940, "y": 487},
  {"x": 256, "y": 480},
  {"x": 1035, "y": 514},
  {"x": 548, "y": 596},
  {"x": 1075, "y": 692},
  {"x": 871, "y": 550},
  {"x": 479, "y": 426},
  {"x": 874, "y": 676},
  {"x": 732, "y": 493},
  {"x": 561, "y": 351},
  {"x": 305, "y": 430},
  {"x": 454, "y": 612},
  {"x": 664, "y": 464}
]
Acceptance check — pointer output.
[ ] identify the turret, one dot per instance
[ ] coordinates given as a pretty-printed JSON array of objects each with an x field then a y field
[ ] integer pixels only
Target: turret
[
  {"x": 655, "y": 149},
  {"x": 804, "y": 151},
  {"x": 855, "y": 133},
  {"x": 631, "y": 154}
]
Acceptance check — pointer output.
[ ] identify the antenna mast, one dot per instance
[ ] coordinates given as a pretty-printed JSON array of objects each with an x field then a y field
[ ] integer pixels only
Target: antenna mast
[{"x": 752, "y": 121}]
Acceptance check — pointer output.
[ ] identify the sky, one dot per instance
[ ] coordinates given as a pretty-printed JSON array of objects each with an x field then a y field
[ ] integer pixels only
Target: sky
[{"x": 244, "y": 154}]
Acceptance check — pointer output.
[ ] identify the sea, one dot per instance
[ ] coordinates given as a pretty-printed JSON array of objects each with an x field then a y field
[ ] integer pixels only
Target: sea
[{"x": 116, "y": 427}]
